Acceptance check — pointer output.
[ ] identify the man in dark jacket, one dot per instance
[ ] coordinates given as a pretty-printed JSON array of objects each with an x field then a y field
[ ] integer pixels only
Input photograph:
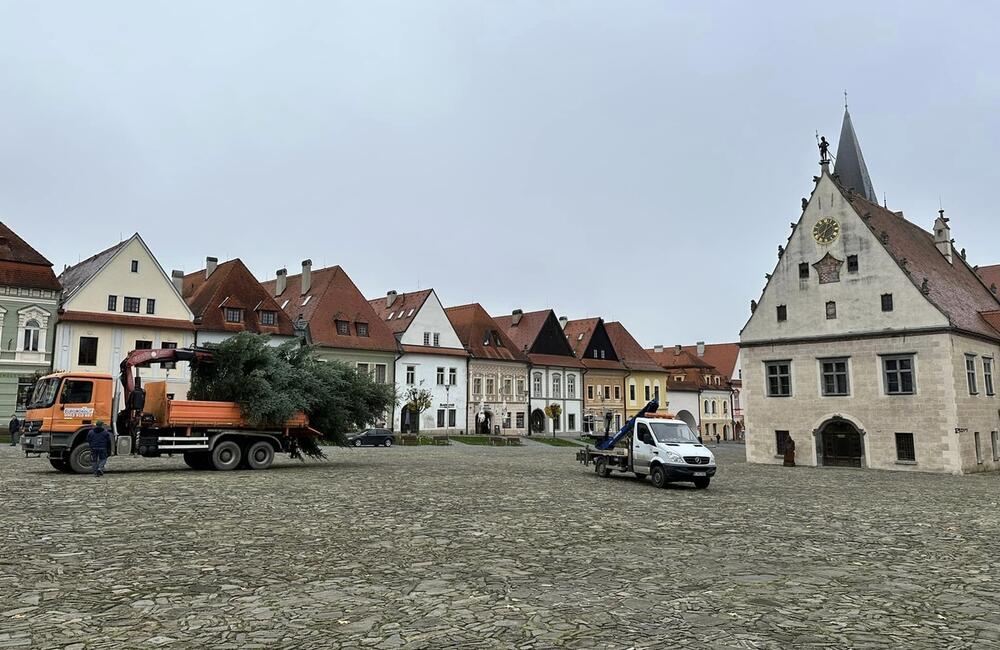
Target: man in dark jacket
[
  {"x": 99, "y": 441},
  {"x": 14, "y": 428}
]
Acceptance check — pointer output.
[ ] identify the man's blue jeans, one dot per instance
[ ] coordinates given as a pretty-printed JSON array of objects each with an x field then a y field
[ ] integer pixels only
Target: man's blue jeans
[{"x": 99, "y": 458}]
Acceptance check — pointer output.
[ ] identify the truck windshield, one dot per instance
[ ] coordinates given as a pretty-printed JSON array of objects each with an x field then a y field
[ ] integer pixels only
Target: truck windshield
[
  {"x": 45, "y": 393},
  {"x": 672, "y": 432}
]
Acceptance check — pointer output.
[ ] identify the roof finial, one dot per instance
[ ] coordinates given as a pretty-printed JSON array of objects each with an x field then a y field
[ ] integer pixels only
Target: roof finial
[{"x": 845, "y": 99}]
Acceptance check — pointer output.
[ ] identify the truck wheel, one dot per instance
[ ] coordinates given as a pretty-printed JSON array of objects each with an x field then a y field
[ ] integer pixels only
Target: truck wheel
[
  {"x": 60, "y": 465},
  {"x": 80, "y": 460},
  {"x": 260, "y": 455},
  {"x": 226, "y": 456},
  {"x": 198, "y": 460},
  {"x": 601, "y": 467},
  {"x": 659, "y": 476},
  {"x": 702, "y": 483}
]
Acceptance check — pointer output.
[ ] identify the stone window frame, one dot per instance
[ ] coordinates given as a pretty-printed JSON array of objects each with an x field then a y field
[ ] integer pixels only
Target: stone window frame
[
  {"x": 852, "y": 264},
  {"x": 995, "y": 440},
  {"x": 477, "y": 385},
  {"x": 781, "y": 313},
  {"x": 440, "y": 375},
  {"x": 979, "y": 447},
  {"x": 570, "y": 385},
  {"x": 988, "y": 376},
  {"x": 833, "y": 372},
  {"x": 778, "y": 375},
  {"x": 970, "y": 374},
  {"x": 887, "y": 302},
  {"x": 804, "y": 270},
  {"x": 411, "y": 375},
  {"x": 131, "y": 301},
  {"x": 537, "y": 384},
  {"x": 831, "y": 309},
  {"x": 906, "y": 448},
  {"x": 884, "y": 359}
]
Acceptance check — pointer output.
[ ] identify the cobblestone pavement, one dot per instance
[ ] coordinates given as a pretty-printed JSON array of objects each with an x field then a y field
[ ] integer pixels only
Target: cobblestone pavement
[{"x": 481, "y": 547}]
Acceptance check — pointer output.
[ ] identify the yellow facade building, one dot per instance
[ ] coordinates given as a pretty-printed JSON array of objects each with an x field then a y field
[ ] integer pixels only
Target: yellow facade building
[{"x": 646, "y": 380}]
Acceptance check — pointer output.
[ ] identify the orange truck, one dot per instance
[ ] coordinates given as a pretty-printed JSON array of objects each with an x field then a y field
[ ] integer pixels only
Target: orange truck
[{"x": 65, "y": 406}]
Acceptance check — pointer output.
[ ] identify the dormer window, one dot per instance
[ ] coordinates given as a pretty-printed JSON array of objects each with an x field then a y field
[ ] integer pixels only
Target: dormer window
[
  {"x": 362, "y": 329},
  {"x": 233, "y": 315},
  {"x": 390, "y": 316},
  {"x": 343, "y": 327},
  {"x": 595, "y": 354},
  {"x": 268, "y": 318},
  {"x": 408, "y": 315}
]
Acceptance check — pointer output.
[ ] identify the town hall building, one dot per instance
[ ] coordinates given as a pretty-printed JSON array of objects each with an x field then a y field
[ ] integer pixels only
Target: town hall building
[{"x": 874, "y": 342}]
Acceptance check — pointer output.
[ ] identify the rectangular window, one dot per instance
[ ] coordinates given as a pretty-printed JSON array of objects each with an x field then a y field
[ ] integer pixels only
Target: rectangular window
[
  {"x": 780, "y": 441},
  {"x": 489, "y": 385},
  {"x": 112, "y": 303},
  {"x": 519, "y": 420},
  {"x": 427, "y": 338},
  {"x": 618, "y": 392},
  {"x": 995, "y": 438},
  {"x": 571, "y": 421},
  {"x": 631, "y": 392},
  {"x": 440, "y": 418},
  {"x": 380, "y": 373},
  {"x": 803, "y": 270},
  {"x": 452, "y": 376},
  {"x": 905, "y": 451},
  {"x": 834, "y": 377},
  {"x": 988, "y": 375},
  {"x": 782, "y": 313},
  {"x": 411, "y": 375},
  {"x": 77, "y": 391},
  {"x": 143, "y": 345},
  {"x": 520, "y": 387},
  {"x": 506, "y": 420},
  {"x": 440, "y": 376},
  {"x": 268, "y": 318},
  {"x": 150, "y": 306},
  {"x": 831, "y": 310},
  {"x": 899, "y": 375},
  {"x": 363, "y": 369},
  {"x": 233, "y": 314},
  {"x": 970, "y": 374},
  {"x": 25, "y": 387},
  {"x": 135, "y": 266},
  {"x": 886, "y": 302},
  {"x": 88, "y": 351},
  {"x": 590, "y": 391},
  {"x": 169, "y": 345},
  {"x": 607, "y": 392},
  {"x": 979, "y": 449},
  {"x": 477, "y": 386},
  {"x": 506, "y": 386},
  {"x": 452, "y": 417},
  {"x": 645, "y": 390},
  {"x": 437, "y": 339},
  {"x": 343, "y": 328},
  {"x": 779, "y": 378},
  {"x": 852, "y": 263},
  {"x": 130, "y": 305},
  {"x": 362, "y": 329}
]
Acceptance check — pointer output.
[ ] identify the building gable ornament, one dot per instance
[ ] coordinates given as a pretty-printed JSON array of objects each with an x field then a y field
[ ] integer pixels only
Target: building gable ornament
[
  {"x": 34, "y": 312},
  {"x": 828, "y": 269}
]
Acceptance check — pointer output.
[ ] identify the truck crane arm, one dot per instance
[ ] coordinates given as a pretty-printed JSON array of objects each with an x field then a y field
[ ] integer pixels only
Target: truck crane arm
[
  {"x": 145, "y": 358},
  {"x": 609, "y": 443}
]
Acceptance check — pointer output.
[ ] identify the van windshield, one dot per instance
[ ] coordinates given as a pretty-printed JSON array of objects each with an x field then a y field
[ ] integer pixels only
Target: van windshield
[
  {"x": 45, "y": 393},
  {"x": 672, "y": 432}
]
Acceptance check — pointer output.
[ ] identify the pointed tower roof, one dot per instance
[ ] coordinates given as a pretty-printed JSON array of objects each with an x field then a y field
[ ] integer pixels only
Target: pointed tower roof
[{"x": 850, "y": 164}]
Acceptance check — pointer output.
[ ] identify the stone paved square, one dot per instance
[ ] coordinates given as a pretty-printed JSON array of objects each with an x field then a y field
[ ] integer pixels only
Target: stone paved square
[{"x": 480, "y": 547}]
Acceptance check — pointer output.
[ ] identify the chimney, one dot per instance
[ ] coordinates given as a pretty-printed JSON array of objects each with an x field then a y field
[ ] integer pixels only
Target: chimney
[
  {"x": 390, "y": 298},
  {"x": 307, "y": 266},
  {"x": 657, "y": 349},
  {"x": 210, "y": 264},
  {"x": 701, "y": 348},
  {"x": 280, "y": 281},
  {"x": 942, "y": 236},
  {"x": 515, "y": 317},
  {"x": 177, "y": 277},
  {"x": 562, "y": 321},
  {"x": 677, "y": 349}
]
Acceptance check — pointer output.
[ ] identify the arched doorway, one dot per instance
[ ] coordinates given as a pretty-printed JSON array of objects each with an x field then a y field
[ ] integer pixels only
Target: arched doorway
[
  {"x": 486, "y": 423},
  {"x": 538, "y": 421},
  {"x": 689, "y": 420},
  {"x": 840, "y": 444}
]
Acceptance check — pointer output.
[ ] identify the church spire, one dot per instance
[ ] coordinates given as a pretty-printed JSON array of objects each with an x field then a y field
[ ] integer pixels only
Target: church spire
[{"x": 850, "y": 164}]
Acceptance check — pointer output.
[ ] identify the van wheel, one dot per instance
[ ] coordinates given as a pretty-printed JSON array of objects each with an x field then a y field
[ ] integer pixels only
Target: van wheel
[
  {"x": 702, "y": 483},
  {"x": 601, "y": 467},
  {"x": 226, "y": 456},
  {"x": 659, "y": 476},
  {"x": 80, "y": 460},
  {"x": 260, "y": 455},
  {"x": 61, "y": 465},
  {"x": 198, "y": 460}
]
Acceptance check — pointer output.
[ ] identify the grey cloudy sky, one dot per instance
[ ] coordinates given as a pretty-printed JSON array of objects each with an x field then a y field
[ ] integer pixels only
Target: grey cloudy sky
[{"x": 635, "y": 160}]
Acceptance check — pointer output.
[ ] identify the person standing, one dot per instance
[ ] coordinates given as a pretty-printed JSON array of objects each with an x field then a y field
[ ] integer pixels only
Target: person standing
[
  {"x": 99, "y": 441},
  {"x": 14, "y": 428},
  {"x": 789, "y": 460}
]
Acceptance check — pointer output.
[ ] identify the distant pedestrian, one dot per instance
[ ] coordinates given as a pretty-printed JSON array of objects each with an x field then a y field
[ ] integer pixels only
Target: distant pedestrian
[
  {"x": 99, "y": 440},
  {"x": 14, "y": 428},
  {"x": 789, "y": 452},
  {"x": 718, "y": 439}
]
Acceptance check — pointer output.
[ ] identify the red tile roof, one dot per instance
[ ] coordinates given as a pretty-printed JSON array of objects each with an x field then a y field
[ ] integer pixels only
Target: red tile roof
[
  {"x": 475, "y": 327},
  {"x": 232, "y": 285},
  {"x": 15, "y": 249},
  {"x": 132, "y": 320},
  {"x": 955, "y": 289},
  {"x": 23, "y": 266},
  {"x": 990, "y": 274},
  {"x": 333, "y": 296},
  {"x": 402, "y": 310},
  {"x": 671, "y": 359},
  {"x": 629, "y": 350},
  {"x": 527, "y": 331},
  {"x": 719, "y": 355}
]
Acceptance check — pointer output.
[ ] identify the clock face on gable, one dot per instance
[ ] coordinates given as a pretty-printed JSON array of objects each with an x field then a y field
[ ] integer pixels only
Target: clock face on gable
[{"x": 826, "y": 231}]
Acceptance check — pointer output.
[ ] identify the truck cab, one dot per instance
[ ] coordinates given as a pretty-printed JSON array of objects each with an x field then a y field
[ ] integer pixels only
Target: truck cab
[{"x": 667, "y": 450}]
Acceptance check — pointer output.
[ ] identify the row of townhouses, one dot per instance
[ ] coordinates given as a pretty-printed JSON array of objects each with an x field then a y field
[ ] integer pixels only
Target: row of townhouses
[{"x": 519, "y": 373}]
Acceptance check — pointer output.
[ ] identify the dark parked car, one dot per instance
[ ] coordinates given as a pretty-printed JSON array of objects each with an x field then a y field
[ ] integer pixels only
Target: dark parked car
[{"x": 372, "y": 438}]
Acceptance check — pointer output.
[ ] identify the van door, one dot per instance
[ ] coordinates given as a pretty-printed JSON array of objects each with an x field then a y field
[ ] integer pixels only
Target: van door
[
  {"x": 642, "y": 452},
  {"x": 75, "y": 406}
]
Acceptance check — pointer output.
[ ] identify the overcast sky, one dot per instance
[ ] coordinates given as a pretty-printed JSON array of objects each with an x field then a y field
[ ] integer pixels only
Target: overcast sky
[{"x": 639, "y": 161}]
